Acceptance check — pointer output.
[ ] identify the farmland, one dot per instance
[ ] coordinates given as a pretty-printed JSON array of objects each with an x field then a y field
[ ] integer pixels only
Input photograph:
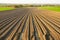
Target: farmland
[
  {"x": 52, "y": 8},
  {"x": 6, "y": 8},
  {"x": 29, "y": 24}
]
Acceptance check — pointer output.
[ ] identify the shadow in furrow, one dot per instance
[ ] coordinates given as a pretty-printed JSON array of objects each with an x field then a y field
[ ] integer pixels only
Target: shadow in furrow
[
  {"x": 17, "y": 29},
  {"x": 6, "y": 28},
  {"x": 48, "y": 32},
  {"x": 3, "y": 22},
  {"x": 39, "y": 26},
  {"x": 54, "y": 20},
  {"x": 23, "y": 27},
  {"x": 53, "y": 24},
  {"x": 3, "y": 26},
  {"x": 8, "y": 33},
  {"x": 35, "y": 31},
  {"x": 29, "y": 30}
]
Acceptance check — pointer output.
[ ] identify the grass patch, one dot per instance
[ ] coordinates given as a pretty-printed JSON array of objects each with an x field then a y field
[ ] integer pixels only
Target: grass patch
[
  {"x": 53, "y": 8},
  {"x": 6, "y": 8}
]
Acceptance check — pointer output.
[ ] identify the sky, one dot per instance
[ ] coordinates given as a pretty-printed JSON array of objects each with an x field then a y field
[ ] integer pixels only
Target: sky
[{"x": 31, "y": 1}]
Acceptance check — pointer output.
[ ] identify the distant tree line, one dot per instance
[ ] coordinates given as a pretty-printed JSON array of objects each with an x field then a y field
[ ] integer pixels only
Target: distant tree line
[{"x": 27, "y": 5}]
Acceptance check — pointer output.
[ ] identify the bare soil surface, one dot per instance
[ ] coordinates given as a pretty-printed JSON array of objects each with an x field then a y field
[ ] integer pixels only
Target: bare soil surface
[{"x": 29, "y": 24}]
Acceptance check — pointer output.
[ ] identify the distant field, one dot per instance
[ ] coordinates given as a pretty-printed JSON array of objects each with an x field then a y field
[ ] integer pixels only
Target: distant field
[
  {"x": 51, "y": 8},
  {"x": 6, "y": 8}
]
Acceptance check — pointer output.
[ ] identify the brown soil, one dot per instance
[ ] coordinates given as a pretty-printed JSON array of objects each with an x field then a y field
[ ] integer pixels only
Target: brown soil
[{"x": 29, "y": 24}]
